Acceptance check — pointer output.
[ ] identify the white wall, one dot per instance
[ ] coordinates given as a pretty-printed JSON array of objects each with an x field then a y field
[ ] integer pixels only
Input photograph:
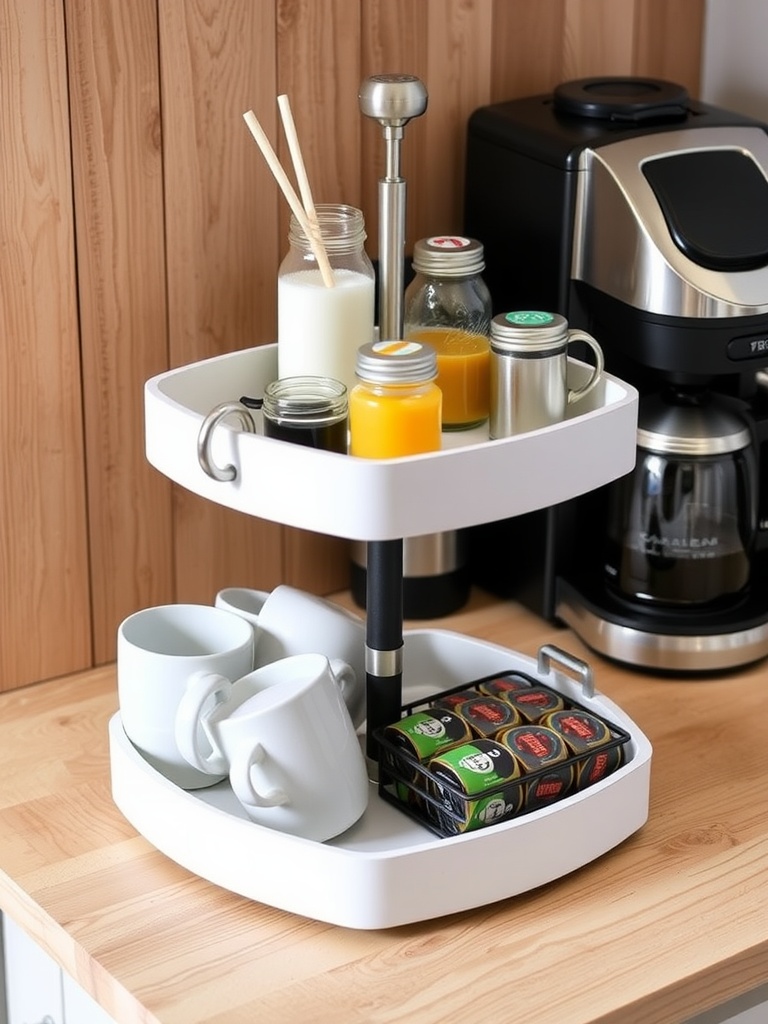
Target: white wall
[{"x": 735, "y": 58}]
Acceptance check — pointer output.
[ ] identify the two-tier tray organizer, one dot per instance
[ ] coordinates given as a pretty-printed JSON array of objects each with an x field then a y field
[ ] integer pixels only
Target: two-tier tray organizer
[{"x": 388, "y": 869}]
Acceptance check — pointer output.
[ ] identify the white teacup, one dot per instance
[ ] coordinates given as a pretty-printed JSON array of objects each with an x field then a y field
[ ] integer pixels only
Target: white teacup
[
  {"x": 158, "y": 651},
  {"x": 295, "y": 761},
  {"x": 289, "y": 621}
]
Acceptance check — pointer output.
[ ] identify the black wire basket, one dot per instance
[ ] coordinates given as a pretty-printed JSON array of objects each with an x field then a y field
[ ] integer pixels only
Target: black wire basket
[{"x": 427, "y": 791}]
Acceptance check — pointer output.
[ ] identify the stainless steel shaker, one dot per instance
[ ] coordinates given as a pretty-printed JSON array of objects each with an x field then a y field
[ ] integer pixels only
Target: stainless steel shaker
[{"x": 529, "y": 364}]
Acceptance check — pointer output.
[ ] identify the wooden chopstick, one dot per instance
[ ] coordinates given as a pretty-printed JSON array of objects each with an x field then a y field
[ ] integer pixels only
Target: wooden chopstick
[{"x": 311, "y": 231}]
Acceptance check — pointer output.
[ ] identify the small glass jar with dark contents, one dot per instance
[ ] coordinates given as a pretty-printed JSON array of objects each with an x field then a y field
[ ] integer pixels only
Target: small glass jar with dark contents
[{"x": 311, "y": 411}]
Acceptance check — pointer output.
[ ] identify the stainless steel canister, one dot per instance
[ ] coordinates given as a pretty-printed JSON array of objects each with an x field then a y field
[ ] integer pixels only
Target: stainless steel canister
[{"x": 529, "y": 363}]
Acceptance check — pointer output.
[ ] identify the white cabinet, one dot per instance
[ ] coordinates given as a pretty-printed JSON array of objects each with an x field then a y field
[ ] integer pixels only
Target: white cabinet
[
  {"x": 79, "y": 1007},
  {"x": 32, "y": 979},
  {"x": 749, "y": 1008},
  {"x": 37, "y": 990}
]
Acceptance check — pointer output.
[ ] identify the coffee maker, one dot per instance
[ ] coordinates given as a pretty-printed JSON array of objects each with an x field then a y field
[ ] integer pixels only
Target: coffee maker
[{"x": 641, "y": 215}]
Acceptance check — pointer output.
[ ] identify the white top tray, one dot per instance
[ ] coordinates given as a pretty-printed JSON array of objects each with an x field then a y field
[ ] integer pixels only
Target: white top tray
[
  {"x": 472, "y": 480},
  {"x": 388, "y": 870}
]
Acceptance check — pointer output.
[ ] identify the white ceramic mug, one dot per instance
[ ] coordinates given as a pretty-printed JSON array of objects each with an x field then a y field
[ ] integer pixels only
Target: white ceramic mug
[
  {"x": 289, "y": 621},
  {"x": 295, "y": 761},
  {"x": 158, "y": 651},
  {"x": 210, "y": 698}
]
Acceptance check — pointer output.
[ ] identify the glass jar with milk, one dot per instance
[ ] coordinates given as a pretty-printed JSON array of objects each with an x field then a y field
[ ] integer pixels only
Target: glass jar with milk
[{"x": 321, "y": 327}]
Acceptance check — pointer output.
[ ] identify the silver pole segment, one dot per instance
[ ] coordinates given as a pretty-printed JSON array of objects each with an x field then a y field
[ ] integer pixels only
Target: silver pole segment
[
  {"x": 393, "y": 137},
  {"x": 392, "y": 100},
  {"x": 392, "y": 255},
  {"x": 392, "y": 201}
]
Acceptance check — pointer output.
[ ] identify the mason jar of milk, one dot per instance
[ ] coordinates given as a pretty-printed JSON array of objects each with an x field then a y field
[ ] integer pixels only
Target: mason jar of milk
[{"x": 320, "y": 326}]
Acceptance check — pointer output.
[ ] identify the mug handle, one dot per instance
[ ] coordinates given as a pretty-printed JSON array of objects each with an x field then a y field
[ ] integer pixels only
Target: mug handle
[
  {"x": 346, "y": 680},
  {"x": 576, "y": 393},
  {"x": 241, "y": 779},
  {"x": 194, "y": 713}
]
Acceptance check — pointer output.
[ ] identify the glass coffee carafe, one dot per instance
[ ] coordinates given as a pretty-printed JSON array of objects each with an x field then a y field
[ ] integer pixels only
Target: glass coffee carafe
[{"x": 682, "y": 524}]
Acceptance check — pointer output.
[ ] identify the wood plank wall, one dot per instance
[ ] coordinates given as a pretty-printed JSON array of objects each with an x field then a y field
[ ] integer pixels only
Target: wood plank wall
[{"x": 141, "y": 230}]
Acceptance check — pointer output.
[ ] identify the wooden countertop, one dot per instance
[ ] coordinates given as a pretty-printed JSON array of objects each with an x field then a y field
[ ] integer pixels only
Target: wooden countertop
[{"x": 672, "y": 922}]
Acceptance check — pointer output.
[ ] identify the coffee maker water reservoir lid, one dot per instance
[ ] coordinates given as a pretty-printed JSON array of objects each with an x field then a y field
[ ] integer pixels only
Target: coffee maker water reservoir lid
[{"x": 622, "y": 100}]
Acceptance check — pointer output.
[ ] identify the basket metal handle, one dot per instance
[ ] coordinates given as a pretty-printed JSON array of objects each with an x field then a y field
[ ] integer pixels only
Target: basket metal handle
[{"x": 549, "y": 654}]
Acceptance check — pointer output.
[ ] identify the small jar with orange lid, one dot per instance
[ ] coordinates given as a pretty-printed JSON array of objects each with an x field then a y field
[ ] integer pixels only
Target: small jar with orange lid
[{"x": 396, "y": 407}]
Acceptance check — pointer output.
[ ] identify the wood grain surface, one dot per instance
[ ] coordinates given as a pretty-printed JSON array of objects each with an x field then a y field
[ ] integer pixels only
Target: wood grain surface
[
  {"x": 141, "y": 230},
  {"x": 43, "y": 522},
  {"x": 673, "y": 921},
  {"x": 118, "y": 192}
]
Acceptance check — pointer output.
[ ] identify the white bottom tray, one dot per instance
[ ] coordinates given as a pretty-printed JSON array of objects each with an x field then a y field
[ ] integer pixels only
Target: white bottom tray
[{"x": 388, "y": 870}]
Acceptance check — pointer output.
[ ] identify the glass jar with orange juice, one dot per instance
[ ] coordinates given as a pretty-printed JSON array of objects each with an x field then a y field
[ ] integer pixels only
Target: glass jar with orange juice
[
  {"x": 395, "y": 408},
  {"x": 448, "y": 306}
]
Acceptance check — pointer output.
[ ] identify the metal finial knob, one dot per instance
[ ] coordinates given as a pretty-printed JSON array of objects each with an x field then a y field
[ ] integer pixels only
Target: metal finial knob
[{"x": 393, "y": 99}]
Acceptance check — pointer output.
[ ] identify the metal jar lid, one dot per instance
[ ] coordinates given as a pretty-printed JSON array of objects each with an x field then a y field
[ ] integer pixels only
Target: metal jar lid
[
  {"x": 666, "y": 428},
  {"x": 528, "y": 330},
  {"x": 396, "y": 362},
  {"x": 448, "y": 256}
]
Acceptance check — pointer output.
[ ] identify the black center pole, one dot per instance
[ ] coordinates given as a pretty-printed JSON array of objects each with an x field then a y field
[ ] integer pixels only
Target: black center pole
[
  {"x": 384, "y": 637},
  {"x": 392, "y": 100}
]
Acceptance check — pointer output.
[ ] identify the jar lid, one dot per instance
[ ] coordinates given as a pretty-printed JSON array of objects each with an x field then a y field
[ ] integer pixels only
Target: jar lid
[
  {"x": 528, "y": 329},
  {"x": 690, "y": 428},
  {"x": 448, "y": 256},
  {"x": 396, "y": 362}
]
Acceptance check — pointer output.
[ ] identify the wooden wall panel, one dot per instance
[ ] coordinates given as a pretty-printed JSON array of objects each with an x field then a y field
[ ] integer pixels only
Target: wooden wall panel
[
  {"x": 528, "y": 44},
  {"x": 539, "y": 43},
  {"x": 458, "y": 76},
  {"x": 318, "y": 68},
  {"x": 44, "y": 592},
  {"x": 117, "y": 162},
  {"x": 668, "y": 40},
  {"x": 597, "y": 37},
  {"x": 217, "y": 60},
  {"x": 393, "y": 41}
]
